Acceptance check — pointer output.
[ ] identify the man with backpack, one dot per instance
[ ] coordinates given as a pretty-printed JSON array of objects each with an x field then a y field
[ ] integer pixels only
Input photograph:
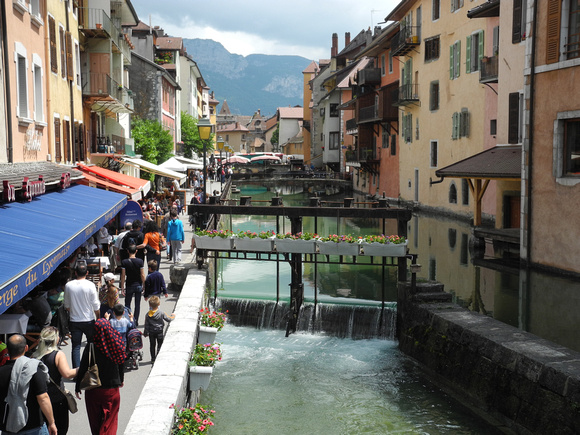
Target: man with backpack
[{"x": 133, "y": 237}]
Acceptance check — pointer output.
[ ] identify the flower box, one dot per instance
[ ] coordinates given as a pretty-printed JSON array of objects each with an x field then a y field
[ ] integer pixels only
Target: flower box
[
  {"x": 383, "y": 249},
  {"x": 199, "y": 377},
  {"x": 338, "y": 248},
  {"x": 255, "y": 244},
  {"x": 213, "y": 243},
  {"x": 295, "y": 246},
  {"x": 206, "y": 334}
]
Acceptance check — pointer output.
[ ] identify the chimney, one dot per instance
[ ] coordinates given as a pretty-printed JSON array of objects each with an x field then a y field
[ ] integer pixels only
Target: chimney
[
  {"x": 346, "y": 39},
  {"x": 334, "y": 49}
]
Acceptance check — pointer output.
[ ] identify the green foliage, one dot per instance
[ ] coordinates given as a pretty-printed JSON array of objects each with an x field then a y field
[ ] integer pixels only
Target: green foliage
[
  {"x": 276, "y": 135},
  {"x": 191, "y": 421},
  {"x": 152, "y": 141},
  {"x": 206, "y": 355},
  {"x": 190, "y": 137}
]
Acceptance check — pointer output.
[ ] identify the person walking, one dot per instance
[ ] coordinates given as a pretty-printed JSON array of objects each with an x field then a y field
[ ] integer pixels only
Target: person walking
[
  {"x": 82, "y": 302},
  {"x": 58, "y": 368},
  {"x": 153, "y": 242},
  {"x": 175, "y": 236},
  {"x": 103, "y": 402},
  {"x": 23, "y": 392},
  {"x": 154, "y": 326},
  {"x": 132, "y": 280},
  {"x": 154, "y": 283},
  {"x": 133, "y": 237}
]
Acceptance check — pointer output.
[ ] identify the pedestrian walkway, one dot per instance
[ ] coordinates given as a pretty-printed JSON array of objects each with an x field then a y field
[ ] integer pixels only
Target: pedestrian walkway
[{"x": 135, "y": 379}]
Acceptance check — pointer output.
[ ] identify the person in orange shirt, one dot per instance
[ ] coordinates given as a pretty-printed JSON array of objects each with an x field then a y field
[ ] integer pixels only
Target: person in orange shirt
[{"x": 153, "y": 242}]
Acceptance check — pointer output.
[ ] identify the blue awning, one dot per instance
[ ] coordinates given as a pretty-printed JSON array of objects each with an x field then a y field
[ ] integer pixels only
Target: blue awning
[{"x": 36, "y": 236}]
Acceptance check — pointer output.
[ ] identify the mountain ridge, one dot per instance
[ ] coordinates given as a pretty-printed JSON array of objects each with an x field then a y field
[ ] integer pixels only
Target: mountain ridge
[{"x": 249, "y": 83}]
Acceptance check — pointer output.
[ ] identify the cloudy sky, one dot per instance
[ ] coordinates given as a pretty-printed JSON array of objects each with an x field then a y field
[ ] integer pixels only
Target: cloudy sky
[{"x": 295, "y": 27}]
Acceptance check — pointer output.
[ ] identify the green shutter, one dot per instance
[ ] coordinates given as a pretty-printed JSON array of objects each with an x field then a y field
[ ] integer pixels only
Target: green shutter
[
  {"x": 451, "y": 63},
  {"x": 468, "y": 54},
  {"x": 410, "y": 127},
  {"x": 458, "y": 59},
  {"x": 481, "y": 47},
  {"x": 455, "y": 126}
]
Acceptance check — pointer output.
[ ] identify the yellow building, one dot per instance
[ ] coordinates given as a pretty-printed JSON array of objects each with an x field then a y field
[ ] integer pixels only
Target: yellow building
[{"x": 63, "y": 83}]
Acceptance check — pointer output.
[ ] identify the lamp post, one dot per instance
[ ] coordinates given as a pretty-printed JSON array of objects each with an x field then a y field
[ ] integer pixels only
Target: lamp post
[
  {"x": 204, "y": 127},
  {"x": 220, "y": 145}
]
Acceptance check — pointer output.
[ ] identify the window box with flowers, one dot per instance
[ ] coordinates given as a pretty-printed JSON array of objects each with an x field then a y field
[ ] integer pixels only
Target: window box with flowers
[
  {"x": 252, "y": 241},
  {"x": 211, "y": 322},
  {"x": 304, "y": 243},
  {"x": 384, "y": 246},
  {"x": 218, "y": 240},
  {"x": 338, "y": 245},
  {"x": 192, "y": 421},
  {"x": 203, "y": 359}
]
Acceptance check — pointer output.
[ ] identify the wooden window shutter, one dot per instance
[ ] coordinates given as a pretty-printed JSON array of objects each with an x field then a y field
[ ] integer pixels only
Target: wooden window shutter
[
  {"x": 451, "y": 62},
  {"x": 468, "y": 54},
  {"x": 480, "y": 50},
  {"x": 69, "y": 56},
  {"x": 513, "y": 117},
  {"x": 53, "y": 50},
  {"x": 66, "y": 140},
  {"x": 553, "y": 31},
  {"x": 57, "y": 154},
  {"x": 458, "y": 58},
  {"x": 517, "y": 22},
  {"x": 62, "y": 53}
]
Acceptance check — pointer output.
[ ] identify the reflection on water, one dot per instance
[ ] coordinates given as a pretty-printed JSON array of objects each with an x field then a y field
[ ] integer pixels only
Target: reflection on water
[
  {"x": 541, "y": 304},
  {"x": 312, "y": 384}
]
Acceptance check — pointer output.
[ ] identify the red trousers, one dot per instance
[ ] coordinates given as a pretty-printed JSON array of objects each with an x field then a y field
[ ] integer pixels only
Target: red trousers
[{"x": 103, "y": 410}]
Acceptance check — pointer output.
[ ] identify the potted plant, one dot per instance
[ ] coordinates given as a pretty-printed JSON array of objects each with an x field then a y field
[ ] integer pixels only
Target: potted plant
[
  {"x": 252, "y": 241},
  {"x": 296, "y": 243},
  {"x": 211, "y": 322},
  {"x": 201, "y": 365},
  {"x": 338, "y": 245},
  {"x": 189, "y": 421},
  {"x": 219, "y": 240},
  {"x": 384, "y": 246}
]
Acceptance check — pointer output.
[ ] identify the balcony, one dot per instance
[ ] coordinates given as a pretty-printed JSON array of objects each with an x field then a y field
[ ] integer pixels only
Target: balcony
[
  {"x": 405, "y": 40},
  {"x": 105, "y": 94},
  {"x": 351, "y": 125},
  {"x": 378, "y": 106},
  {"x": 369, "y": 76},
  {"x": 488, "y": 72},
  {"x": 406, "y": 95},
  {"x": 369, "y": 113},
  {"x": 96, "y": 23}
]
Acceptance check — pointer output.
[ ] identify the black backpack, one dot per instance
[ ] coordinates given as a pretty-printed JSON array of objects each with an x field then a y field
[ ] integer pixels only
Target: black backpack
[{"x": 128, "y": 240}]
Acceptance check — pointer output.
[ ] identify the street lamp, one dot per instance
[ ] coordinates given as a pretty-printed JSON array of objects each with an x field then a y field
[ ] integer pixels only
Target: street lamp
[
  {"x": 220, "y": 145},
  {"x": 204, "y": 127}
]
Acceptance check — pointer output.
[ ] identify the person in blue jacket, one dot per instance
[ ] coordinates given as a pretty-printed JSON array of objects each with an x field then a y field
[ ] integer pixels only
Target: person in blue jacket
[{"x": 175, "y": 236}]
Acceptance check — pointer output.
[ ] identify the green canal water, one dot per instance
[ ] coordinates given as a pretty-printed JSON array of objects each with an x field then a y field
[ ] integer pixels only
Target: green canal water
[{"x": 314, "y": 383}]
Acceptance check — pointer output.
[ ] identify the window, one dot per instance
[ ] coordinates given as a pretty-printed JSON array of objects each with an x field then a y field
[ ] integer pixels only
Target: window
[
  {"x": 515, "y": 120},
  {"x": 433, "y": 161},
  {"x": 21, "y": 81},
  {"x": 464, "y": 191},
  {"x": 460, "y": 126},
  {"x": 493, "y": 127},
  {"x": 495, "y": 41},
  {"x": 573, "y": 45},
  {"x": 474, "y": 52},
  {"x": 519, "y": 21},
  {"x": 452, "y": 193},
  {"x": 383, "y": 65},
  {"x": 62, "y": 52},
  {"x": 407, "y": 128},
  {"x": 333, "y": 110},
  {"x": 456, "y": 5},
  {"x": 394, "y": 145},
  {"x": 78, "y": 63},
  {"x": 37, "y": 86},
  {"x": 417, "y": 129},
  {"x": 53, "y": 50},
  {"x": 572, "y": 147},
  {"x": 20, "y": 5},
  {"x": 454, "y": 60},
  {"x": 57, "y": 151},
  {"x": 322, "y": 112},
  {"x": 567, "y": 147},
  {"x": 435, "y": 10},
  {"x": 432, "y": 48},
  {"x": 69, "y": 56},
  {"x": 390, "y": 62},
  {"x": 434, "y": 96},
  {"x": 333, "y": 140},
  {"x": 385, "y": 136},
  {"x": 35, "y": 15}
]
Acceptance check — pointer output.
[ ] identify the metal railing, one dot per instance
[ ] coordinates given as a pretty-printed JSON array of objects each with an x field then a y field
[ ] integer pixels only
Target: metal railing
[
  {"x": 407, "y": 94},
  {"x": 368, "y": 113},
  {"x": 488, "y": 71},
  {"x": 91, "y": 19},
  {"x": 405, "y": 39}
]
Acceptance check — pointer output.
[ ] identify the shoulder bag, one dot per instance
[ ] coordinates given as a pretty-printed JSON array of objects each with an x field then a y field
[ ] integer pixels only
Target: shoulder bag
[
  {"x": 91, "y": 378},
  {"x": 70, "y": 399}
]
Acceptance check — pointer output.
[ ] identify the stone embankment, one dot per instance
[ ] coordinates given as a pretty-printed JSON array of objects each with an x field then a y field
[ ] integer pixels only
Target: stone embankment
[{"x": 529, "y": 385}]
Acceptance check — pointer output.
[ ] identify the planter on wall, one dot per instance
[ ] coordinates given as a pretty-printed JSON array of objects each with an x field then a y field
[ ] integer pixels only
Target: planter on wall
[
  {"x": 199, "y": 377},
  {"x": 340, "y": 248},
  {"x": 256, "y": 244},
  {"x": 295, "y": 246},
  {"x": 383, "y": 249},
  {"x": 213, "y": 243},
  {"x": 206, "y": 334}
]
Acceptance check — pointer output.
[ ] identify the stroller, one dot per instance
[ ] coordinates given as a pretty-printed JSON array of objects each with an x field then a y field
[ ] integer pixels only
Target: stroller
[{"x": 134, "y": 346}]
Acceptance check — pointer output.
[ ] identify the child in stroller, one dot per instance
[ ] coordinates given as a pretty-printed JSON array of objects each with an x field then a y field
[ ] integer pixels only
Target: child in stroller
[{"x": 122, "y": 321}]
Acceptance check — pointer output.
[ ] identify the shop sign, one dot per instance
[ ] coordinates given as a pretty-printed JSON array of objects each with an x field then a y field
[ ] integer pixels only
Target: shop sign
[
  {"x": 65, "y": 180},
  {"x": 31, "y": 189}
]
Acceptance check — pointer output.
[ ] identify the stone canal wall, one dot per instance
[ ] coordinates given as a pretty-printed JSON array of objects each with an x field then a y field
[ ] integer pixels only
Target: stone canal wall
[{"x": 528, "y": 384}]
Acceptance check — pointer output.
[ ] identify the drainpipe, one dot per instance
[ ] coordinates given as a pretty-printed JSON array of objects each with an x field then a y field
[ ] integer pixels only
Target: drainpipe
[
  {"x": 531, "y": 134},
  {"x": 8, "y": 101}
]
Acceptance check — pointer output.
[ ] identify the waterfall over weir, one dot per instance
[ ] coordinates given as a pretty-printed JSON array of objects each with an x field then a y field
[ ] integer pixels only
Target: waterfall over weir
[{"x": 337, "y": 320}]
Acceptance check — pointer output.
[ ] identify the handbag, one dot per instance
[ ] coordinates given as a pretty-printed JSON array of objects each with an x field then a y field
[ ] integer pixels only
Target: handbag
[
  {"x": 91, "y": 378},
  {"x": 70, "y": 398}
]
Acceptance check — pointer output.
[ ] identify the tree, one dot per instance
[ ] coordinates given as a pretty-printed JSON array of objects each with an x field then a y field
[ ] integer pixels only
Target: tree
[
  {"x": 275, "y": 137},
  {"x": 190, "y": 137},
  {"x": 152, "y": 141}
]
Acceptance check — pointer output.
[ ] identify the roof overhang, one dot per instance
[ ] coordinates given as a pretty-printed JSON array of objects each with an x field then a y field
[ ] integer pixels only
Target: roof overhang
[
  {"x": 488, "y": 9},
  {"x": 502, "y": 162}
]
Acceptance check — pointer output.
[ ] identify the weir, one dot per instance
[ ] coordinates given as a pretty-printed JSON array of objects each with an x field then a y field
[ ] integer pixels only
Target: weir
[{"x": 337, "y": 320}]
